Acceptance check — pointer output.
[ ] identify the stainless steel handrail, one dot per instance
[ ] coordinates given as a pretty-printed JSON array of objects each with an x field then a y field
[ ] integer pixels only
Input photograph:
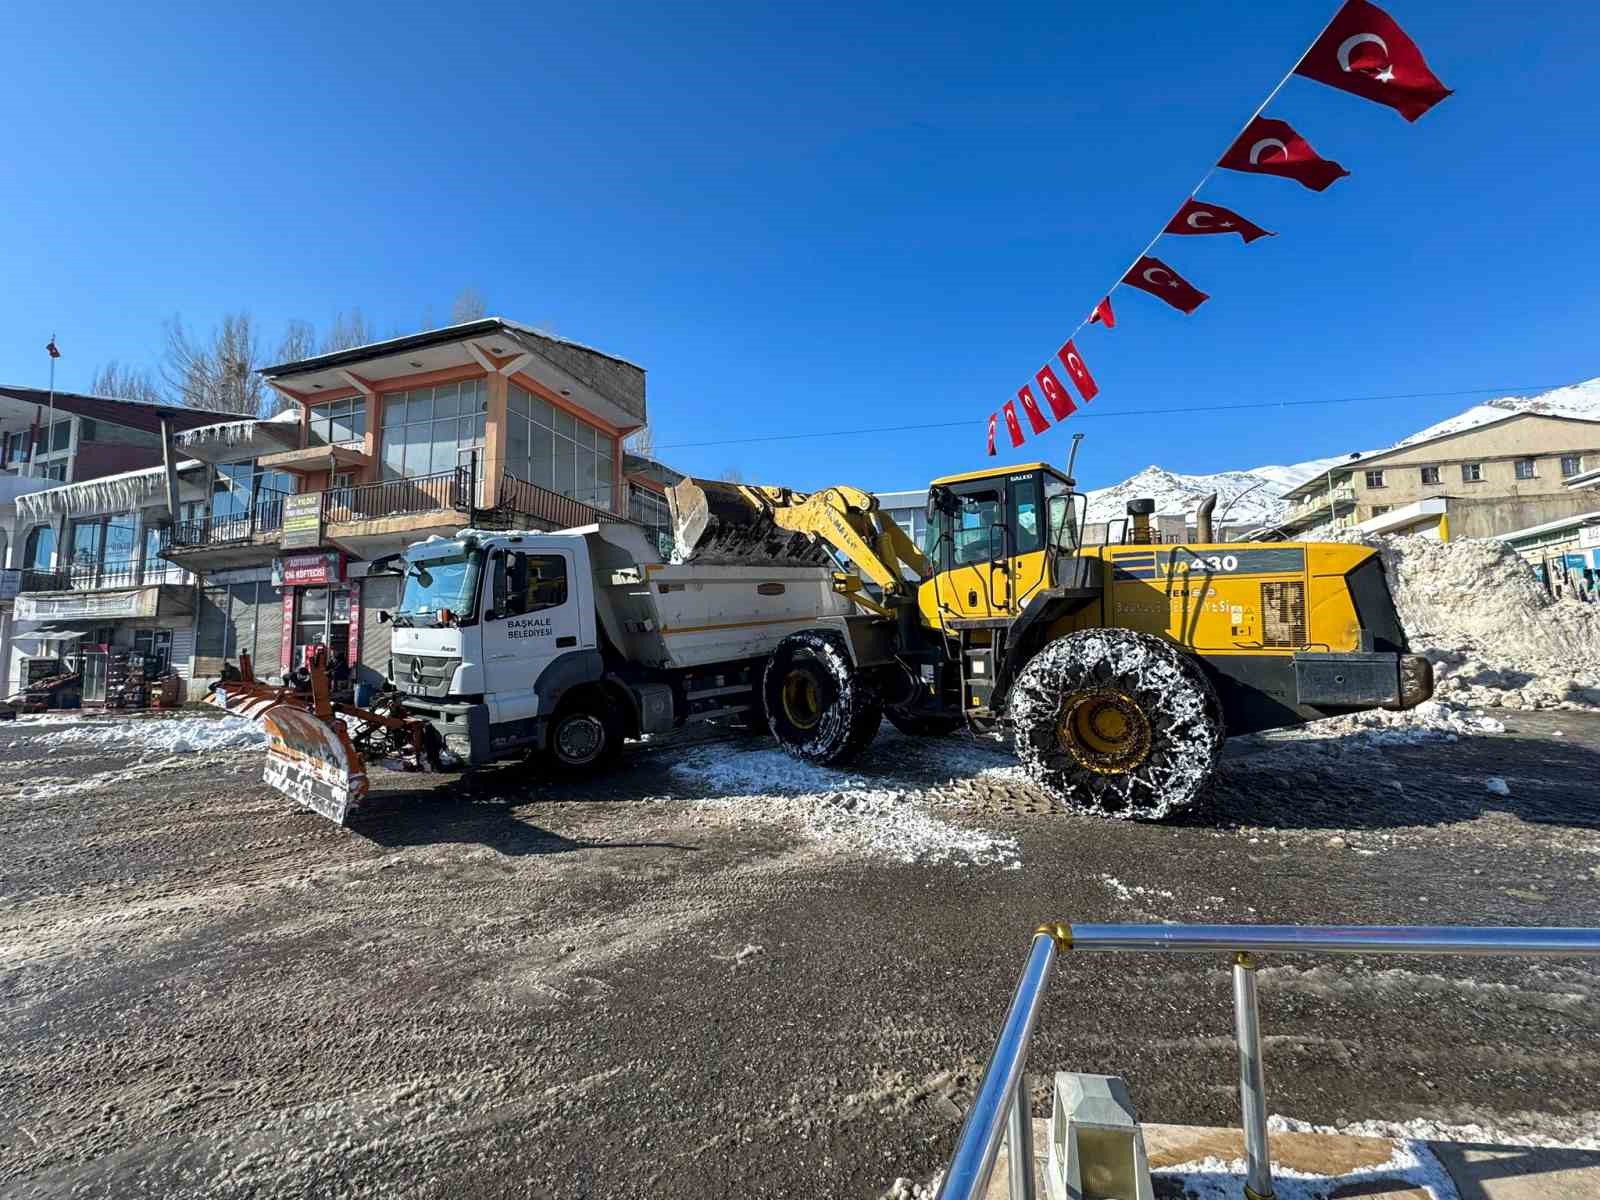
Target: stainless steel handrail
[{"x": 1001, "y": 1109}]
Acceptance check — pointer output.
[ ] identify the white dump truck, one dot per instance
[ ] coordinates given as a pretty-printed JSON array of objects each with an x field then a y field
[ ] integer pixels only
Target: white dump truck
[{"x": 571, "y": 642}]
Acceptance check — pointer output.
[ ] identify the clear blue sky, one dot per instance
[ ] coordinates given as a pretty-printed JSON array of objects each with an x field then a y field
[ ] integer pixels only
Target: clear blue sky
[{"x": 822, "y": 216}]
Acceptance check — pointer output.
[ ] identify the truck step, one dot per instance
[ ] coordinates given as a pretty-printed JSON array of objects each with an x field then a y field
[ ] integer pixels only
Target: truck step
[{"x": 707, "y": 693}]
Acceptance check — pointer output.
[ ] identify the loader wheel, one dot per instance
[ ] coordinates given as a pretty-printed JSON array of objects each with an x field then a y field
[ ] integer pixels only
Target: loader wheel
[
  {"x": 585, "y": 735},
  {"x": 818, "y": 707},
  {"x": 1116, "y": 722},
  {"x": 915, "y": 724}
]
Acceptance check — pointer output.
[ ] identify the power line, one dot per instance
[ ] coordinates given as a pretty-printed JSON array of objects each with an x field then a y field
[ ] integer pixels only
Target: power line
[{"x": 1083, "y": 414}]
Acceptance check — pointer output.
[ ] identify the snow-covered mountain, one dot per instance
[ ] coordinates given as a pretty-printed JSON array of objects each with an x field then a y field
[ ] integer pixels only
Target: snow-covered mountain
[{"x": 1255, "y": 495}]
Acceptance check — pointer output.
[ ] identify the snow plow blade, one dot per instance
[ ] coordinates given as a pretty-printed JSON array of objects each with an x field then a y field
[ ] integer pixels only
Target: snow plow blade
[
  {"x": 717, "y": 522},
  {"x": 312, "y": 761}
]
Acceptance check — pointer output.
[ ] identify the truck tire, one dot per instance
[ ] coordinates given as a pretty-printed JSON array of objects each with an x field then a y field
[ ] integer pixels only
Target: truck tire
[
  {"x": 586, "y": 734},
  {"x": 920, "y": 724},
  {"x": 819, "y": 707},
  {"x": 1116, "y": 722}
]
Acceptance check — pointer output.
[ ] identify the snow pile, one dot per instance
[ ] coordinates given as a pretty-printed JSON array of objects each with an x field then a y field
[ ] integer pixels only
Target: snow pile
[
  {"x": 1411, "y": 1165},
  {"x": 1495, "y": 636},
  {"x": 839, "y": 808},
  {"x": 1420, "y": 1129},
  {"x": 154, "y": 735}
]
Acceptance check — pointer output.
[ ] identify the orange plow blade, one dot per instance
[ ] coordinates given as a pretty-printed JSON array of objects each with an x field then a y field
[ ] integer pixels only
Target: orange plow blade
[{"x": 312, "y": 761}]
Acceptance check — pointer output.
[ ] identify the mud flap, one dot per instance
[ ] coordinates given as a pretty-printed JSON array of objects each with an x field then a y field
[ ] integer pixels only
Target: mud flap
[{"x": 312, "y": 762}]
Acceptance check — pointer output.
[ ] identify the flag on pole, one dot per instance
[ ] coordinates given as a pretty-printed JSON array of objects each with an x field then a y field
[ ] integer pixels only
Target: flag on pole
[
  {"x": 1103, "y": 315},
  {"x": 50, "y": 347},
  {"x": 1268, "y": 147},
  {"x": 1154, "y": 276},
  {"x": 1197, "y": 217},
  {"x": 1363, "y": 52}
]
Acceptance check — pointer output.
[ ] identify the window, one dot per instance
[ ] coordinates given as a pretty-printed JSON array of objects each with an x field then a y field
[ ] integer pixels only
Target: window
[
  {"x": 1471, "y": 472},
  {"x": 40, "y": 547},
  {"x": 339, "y": 421},
  {"x": 528, "y": 583},
  {"x": 548, "y": 446},
  {"x": 237, "y": 483},
  {"x": 973, "y": 531},
  {"x": 1374, "y": 479},
  {"x": 1571, "y": 464},
  {"x": 1026, "y": 532},
  {"x": 1525, "y": 468},
  {"x": 154, "y": 644},
  {"x": 425, "y": 429},
  {"x": 1430, "y": 475},
  {"x": 1379, "y": 509}
]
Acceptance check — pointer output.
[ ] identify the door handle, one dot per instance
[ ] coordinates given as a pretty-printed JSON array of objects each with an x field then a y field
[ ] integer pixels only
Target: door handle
[{"x": 566, "y": 641}]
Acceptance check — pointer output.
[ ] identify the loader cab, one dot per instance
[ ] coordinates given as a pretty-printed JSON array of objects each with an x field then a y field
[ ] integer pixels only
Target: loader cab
[{"x": 995, "y": 538}]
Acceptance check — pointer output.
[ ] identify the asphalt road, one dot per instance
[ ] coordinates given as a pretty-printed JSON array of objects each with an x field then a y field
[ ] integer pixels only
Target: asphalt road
[{"x": 489, "y": 987}]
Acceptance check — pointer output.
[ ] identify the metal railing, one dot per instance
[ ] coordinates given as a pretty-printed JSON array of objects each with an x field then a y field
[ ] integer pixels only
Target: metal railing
[
  {"x": 264, "y": 516},
  {"x": 1002, "y": 1110},
  {"x": 98, "y": 576},
  {"x": 442, "y": 491},
  {"x": 562, "y": 512}
]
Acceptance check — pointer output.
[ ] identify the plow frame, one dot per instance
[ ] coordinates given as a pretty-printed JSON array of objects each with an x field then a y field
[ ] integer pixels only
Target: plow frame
[{"x": 311, "y": 756}]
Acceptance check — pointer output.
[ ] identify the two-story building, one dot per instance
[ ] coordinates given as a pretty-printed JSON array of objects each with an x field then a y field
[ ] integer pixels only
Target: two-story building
[
  {"x": 487, "y": 424},
  {"x": 1482, "y": 481}
]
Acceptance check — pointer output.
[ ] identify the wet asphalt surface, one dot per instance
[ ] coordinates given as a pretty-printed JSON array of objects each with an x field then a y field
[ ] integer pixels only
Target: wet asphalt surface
[{"x": 489, "y": 986}]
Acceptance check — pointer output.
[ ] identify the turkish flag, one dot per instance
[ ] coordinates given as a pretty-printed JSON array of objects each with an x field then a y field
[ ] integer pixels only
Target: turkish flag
[
  {"x": 1268, "y": 147},
  {"x": 1365, "y": 53},
  {"x": 1154, "y": 276},
  {"x": 1061, "y": 402},
  {"x": 993, "y": 420},
  {"x": 51, "y": 349},
  {"x": 1031, "y": 406},
  {"x": 1103, "y": 314},
  {"x": 1073, "y": 362},
  {"x": 1013, "y": 426},
  {"x": 1196, "y": 217}
]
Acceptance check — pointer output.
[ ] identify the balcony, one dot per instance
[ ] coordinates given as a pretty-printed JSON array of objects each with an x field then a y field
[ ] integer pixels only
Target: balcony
[
  {"x": 1314, "y": 508},
  {"x": 236, "y": 539},
  {"x": 104, "y": 590}
]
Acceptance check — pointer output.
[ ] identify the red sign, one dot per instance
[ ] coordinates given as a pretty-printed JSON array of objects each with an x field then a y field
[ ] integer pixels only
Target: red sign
[
  {"x": 310, "y": 570},
  {"x": 353, "y": 656},
  {"x": 286, "y": 642}
]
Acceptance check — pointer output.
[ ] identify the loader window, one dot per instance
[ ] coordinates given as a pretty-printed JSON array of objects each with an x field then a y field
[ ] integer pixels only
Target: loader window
[
  {"x": 1026, "y": 534},
  {"x": 973, "y": 537},
  {"x": 1063, "y": 520}
]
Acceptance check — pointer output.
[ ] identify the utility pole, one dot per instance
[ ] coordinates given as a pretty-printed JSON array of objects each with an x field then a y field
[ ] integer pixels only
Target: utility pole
[{"x": 50, "y": 422}]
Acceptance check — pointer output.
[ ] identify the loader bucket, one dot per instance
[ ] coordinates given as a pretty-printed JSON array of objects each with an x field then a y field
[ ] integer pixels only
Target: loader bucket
[
  {"x": 715, "y": 522},
  {"x": 312, "y": 761}
]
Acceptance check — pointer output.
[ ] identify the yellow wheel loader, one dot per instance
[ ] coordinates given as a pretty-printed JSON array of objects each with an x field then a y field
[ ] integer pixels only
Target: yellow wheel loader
[{"x": 1117, "y": 669}]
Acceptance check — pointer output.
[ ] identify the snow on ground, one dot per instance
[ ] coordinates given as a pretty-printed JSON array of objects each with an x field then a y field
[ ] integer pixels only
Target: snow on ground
[
  {"x": 1411, "y": 1162},
  {"x": 880, "y": 817},
  {"x": 150, "y": 735},
  {"x": 1571, "y": 1134}
]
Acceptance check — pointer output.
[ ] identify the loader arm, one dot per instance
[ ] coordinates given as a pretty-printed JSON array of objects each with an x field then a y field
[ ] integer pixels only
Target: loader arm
[{"x": 720, "y": 521}]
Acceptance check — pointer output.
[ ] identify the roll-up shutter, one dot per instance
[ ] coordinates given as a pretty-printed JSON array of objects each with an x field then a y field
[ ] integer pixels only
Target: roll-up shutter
[
  {"x": 378, "y": 592},
  {"x": 183, "y": 651},
  {"x": 210, "y": 633},
  {"x": 242, "y": 621},
  {"x": 269, "y": 631}
]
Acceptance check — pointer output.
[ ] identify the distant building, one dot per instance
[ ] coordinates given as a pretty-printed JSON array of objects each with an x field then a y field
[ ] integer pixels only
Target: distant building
[
  {"x": 90, "y": 436},
  {"x": 1507, "y": 474}
]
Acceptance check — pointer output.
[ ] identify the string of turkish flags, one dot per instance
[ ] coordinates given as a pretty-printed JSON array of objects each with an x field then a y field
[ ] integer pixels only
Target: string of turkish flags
[{"x": 1361, "y": 51}]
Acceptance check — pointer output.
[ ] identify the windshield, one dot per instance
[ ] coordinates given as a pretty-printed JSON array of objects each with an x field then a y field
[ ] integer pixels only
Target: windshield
[{"x": 432, "y": 584}]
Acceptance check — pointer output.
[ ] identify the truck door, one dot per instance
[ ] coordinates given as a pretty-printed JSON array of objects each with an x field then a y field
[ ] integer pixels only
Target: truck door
[{"x": 533, "y": 614}]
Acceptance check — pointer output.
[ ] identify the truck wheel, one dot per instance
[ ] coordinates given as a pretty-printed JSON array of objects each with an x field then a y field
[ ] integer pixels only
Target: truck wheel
[
  {"x": 585, "y": 735},
  {"x": 916, "y": 724},
  {"x": 819, "y": 708},
  {"x": 1116, "y": 722}
]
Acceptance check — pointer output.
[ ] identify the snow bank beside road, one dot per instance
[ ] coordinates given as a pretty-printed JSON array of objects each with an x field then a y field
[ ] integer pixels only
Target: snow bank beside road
[{"x": 153, "y": 735}]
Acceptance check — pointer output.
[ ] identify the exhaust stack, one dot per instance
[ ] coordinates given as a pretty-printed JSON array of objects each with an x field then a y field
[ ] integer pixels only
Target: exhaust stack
[
  {"x": 1139, "y": 510},
  {"x": 1203, "y": 531}
]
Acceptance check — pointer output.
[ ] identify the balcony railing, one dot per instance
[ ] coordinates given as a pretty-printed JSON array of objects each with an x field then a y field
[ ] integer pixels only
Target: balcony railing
[
  {"x": 99, "y": 576},
  {"x": 1318, "y": 501},
  {"x": 562, "y": 512},
  {"x": 265, "y": 516},
  {"x": 443, "y": 491}
]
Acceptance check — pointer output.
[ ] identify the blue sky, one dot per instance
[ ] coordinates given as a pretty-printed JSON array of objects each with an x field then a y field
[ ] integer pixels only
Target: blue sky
[{"x": 828, "y": 217}]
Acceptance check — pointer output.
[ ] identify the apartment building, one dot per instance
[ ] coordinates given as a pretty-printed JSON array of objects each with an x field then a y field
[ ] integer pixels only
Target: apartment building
[
  {"x": 70, "y": 437},
  {"x": 486, "y": 424},
  {"x": 1506, "y": 474}
]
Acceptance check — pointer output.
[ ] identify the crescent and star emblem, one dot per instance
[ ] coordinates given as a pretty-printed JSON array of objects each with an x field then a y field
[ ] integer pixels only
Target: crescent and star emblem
[
  {"x": 1194, "y": 219},
  {"x": 1350, "y": 43},
  {"x": 1263, "y": 146},
  {"x": 1150, "y": 274},
  {"x": 1074, "y": 363}
]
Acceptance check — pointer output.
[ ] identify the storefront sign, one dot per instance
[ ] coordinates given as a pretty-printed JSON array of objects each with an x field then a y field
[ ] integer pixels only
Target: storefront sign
[
  {"x": 353, "y": 654},
  {"x": 308, "y": 570},
  {"x": 302, "y": 521},
  {"x": 1588, "y": 538},
  {"x": 9, "y": 582},
  {"x": 140, "y": 602},
  {"x": 286, "y": 643}
]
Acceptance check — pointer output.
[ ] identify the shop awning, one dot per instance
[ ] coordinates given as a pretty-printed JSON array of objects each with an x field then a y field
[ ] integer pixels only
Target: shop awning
[{"x": 53, "y": 633}]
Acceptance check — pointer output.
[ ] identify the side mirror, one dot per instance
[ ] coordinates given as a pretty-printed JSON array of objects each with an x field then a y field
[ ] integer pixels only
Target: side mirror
[{"x": 383, "y": 616}]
